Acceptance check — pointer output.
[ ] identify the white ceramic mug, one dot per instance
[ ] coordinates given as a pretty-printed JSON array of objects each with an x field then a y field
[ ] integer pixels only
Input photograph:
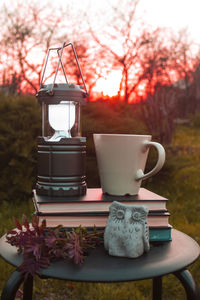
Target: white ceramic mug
[{"x": 121, "y": 161}]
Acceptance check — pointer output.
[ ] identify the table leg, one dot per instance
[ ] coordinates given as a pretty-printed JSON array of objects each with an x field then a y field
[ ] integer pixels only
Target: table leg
[
  {"x": 28, "y": 288},
  {"x": 157, "y": 288},
  {"x": 11, "y": 286},
  {"x": 191, "y": 288}
]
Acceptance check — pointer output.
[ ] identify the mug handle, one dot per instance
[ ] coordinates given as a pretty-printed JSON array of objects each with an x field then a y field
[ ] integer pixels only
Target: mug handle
[{"x": 160, "y": 162}]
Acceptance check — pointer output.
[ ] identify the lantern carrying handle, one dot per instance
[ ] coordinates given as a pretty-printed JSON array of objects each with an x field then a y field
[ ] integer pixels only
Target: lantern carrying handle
[{"x": 60, "y": 52}]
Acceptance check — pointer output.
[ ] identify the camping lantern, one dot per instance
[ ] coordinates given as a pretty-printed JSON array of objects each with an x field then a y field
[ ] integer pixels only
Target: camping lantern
[{"x": 61, "y": 149}]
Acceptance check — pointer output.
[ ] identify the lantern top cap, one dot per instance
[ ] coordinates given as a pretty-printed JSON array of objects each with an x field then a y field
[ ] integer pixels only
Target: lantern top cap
[
  {"x": 61, "y": 86},
  {"x": 57, "y": 92}
]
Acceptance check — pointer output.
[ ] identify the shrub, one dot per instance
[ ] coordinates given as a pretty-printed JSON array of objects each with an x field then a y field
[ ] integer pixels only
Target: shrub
[{"x": 19, "y": 127}]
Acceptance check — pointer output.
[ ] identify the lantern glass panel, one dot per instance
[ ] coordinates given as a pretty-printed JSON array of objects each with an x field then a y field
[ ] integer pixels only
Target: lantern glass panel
[{"x": 60, "y": 120}]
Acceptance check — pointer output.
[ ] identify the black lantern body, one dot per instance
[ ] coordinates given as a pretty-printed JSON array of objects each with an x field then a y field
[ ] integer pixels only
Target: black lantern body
[{"x": 61, "y": 149}]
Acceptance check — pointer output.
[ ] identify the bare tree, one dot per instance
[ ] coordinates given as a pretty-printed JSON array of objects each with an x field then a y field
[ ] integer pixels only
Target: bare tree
[
  {"x": 123, "y": 46},
  {"x": 184, "y": 61},
  {"x": 27, "y": 34},
  {"x": 168, "y": 70},
  {"x": 158, "y": 111},
  {"x": 143, "y": 56}
]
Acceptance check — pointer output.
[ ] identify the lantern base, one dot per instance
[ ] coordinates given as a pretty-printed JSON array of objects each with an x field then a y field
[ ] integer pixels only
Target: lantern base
[
  {"x": 57, "y": 191},
  {"x": 61, "y": 167}
]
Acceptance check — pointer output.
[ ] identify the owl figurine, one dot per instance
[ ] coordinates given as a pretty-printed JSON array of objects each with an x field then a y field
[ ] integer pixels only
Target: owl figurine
[{"x": 127, "y": 233}]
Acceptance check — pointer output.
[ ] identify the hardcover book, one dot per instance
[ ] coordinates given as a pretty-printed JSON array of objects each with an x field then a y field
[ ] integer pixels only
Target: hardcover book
[
  {"x": 95, "y": 200},
  {"x": 98, "y": 219}
]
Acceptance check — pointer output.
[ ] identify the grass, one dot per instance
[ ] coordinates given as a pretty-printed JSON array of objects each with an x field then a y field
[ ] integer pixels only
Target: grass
[
  {"x": 179, "y": 181},
  {"x": 7, "y": 210}
]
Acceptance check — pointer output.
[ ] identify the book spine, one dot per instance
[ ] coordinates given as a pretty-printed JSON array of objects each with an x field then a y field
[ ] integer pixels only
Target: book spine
[{"x": 95, "y": 213}]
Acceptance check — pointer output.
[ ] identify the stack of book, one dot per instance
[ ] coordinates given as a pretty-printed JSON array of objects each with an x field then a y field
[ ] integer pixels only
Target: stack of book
[{"x": 93, "y": 209}]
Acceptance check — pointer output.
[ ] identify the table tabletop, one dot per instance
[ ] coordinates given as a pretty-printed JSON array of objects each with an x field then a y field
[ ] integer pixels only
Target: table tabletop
[{"x": 98, "y": 266}]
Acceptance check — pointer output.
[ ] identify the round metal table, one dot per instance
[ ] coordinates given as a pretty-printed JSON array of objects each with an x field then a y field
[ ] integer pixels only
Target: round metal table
[{"x": 167, "y": 258}]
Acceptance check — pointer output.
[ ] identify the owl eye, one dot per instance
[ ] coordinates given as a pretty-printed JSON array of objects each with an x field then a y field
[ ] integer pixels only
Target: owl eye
[
  {"x": 136, "y": 216},
  {"x": 120, "y": 214}
]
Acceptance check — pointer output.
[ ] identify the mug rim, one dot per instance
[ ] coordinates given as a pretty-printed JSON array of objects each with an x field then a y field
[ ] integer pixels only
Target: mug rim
[{"x": 121, "y": 135}]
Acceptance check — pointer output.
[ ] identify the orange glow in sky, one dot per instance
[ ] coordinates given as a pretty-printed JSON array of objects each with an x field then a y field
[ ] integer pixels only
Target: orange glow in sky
[{"x": 109, "y": 86}]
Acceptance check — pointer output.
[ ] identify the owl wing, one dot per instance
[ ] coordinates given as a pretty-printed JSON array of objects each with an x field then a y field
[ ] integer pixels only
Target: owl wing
[
  {"x": 146, "y": 237},
  {"x": 106, "y": 238}
]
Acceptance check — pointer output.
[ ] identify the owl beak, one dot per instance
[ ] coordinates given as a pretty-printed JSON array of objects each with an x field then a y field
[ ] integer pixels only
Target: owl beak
[{"x": 127, "y": 218}]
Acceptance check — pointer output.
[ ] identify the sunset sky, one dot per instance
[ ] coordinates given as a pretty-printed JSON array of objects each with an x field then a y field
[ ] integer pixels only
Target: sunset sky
[
  {"x": 173, "y": 14},
  {"x": 176, "y": 14},
  {"x": 169, "y": 13}
]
